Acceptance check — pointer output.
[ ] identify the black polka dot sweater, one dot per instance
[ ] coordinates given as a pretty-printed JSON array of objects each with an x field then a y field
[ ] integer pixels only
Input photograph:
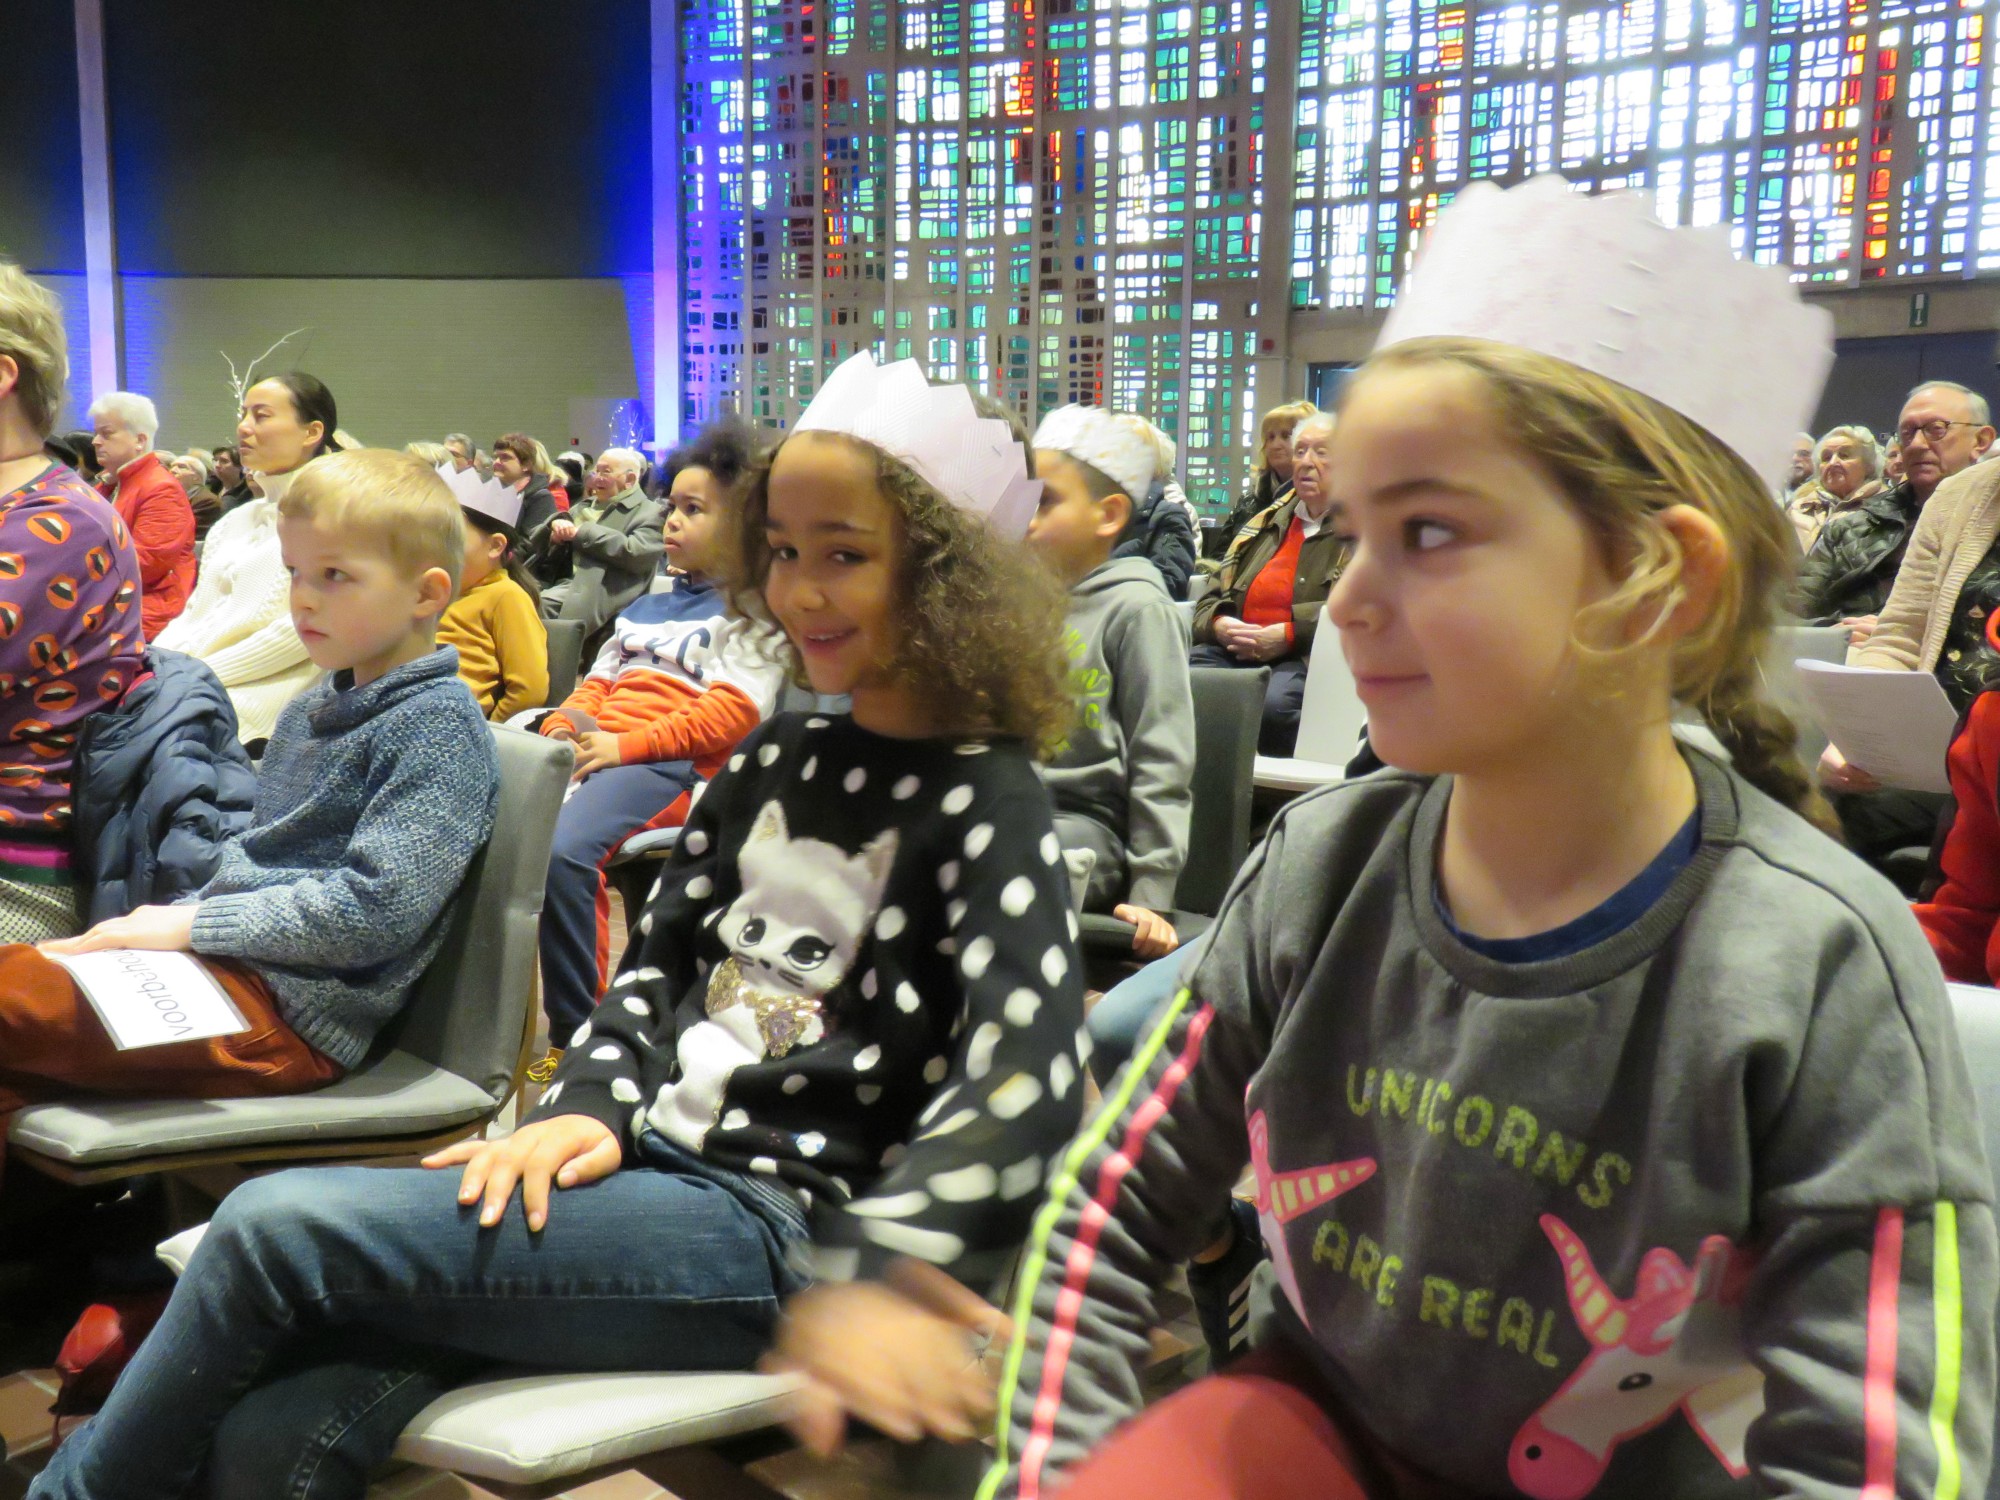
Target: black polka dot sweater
[{"x": 857, "y": 978}]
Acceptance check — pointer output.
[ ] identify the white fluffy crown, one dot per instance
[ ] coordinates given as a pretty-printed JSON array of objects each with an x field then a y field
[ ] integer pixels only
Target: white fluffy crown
[
  {"x": 489, "y": 497},
  {"x": 1118, "y": 447},
  {"x": 1603, "y": 284},
  {"x": 973, "y": 461}
]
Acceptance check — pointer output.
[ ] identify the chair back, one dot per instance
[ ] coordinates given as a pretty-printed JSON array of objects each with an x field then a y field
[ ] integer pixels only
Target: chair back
[
  {"x": 1790, "y": 644},
  {"x": 1332, "y": 717},
  {"x": 471, "y": 1007},
  {"x": 1978, "y": 1014},
  {"x": 565, "y": 658},
  {"x": 1228, "y": 712}
]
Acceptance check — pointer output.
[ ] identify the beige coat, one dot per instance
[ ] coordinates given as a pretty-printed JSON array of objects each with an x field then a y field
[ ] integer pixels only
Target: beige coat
[{"x": 1955, "y": 529}]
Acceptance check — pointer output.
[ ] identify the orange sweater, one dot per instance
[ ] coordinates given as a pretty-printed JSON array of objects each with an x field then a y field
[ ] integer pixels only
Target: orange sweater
[{"x": 1268, "y": 600}]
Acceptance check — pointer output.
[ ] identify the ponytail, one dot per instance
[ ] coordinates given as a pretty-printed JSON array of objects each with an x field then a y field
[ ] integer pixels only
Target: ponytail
[{"x": 1762, "y": 742}]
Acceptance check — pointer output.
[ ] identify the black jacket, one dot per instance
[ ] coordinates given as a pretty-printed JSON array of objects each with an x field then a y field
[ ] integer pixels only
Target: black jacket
[
  {"x": 161, "y": 784},
  {"x": 1162, "y": 532},
  {"x": 1853, "y": 565},
  {"x": 537, "y": 505}
]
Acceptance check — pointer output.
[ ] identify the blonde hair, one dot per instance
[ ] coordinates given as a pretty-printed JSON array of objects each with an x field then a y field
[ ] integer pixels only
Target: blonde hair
[
  {"x": 546, "y": 466},
  {"x": 1862, "y": 438},
  {"x": 1622, "y": 458},
  {"x": 433, "y": 454},
  {"x": 31, "y": 334},
  {"x": 1292, "y": 412},
  {"x": 396, "y": 500}
]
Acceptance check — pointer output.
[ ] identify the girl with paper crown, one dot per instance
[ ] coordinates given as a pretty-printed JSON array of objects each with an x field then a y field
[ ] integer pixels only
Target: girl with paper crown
[
  {"x": 843, "y": 1048},
  {"x": 1607, "y": 1126},
  {"x": 503, "y": 646}
]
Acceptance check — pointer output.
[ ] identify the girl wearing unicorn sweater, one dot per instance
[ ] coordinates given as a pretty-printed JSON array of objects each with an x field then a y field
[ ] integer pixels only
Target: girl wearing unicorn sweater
[{"x": 1607, "y": 1123}]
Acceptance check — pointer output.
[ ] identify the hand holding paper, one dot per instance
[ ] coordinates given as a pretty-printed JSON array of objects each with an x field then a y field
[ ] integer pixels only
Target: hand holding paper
[{"x": 1896, "y": 726}]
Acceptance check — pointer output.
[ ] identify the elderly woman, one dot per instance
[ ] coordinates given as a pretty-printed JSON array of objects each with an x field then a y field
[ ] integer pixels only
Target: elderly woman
[
  {"x": 1273, "y": 587},
  {"x": 71, "y": 610},
  {"x": 149, "y": 500},
  {"x": 1847, "y": 470},
  {"x": 197, "y": 477},
  {"x": 1270, "y": 474},
  {"x": 239, "y": 619}
]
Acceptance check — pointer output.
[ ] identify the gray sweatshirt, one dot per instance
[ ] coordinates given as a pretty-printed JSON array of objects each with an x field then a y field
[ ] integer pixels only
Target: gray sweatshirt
[
  {"x": 1701, "y": 1210},
  {"x": 1130, "y": 754}
]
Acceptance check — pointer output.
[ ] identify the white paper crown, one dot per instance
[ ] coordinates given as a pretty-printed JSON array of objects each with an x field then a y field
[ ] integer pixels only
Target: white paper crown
[
  {"x": 975, "y": 462},
  {"x": 1118, "y": 447},
  {"x": 489, "y": 497},
  {"x": 1603, "y": 284}
]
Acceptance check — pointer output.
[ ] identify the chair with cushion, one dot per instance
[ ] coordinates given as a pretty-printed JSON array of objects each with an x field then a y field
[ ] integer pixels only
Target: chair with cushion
[
  {"x": 1228, "y": 710},
  {"x": 565, "y": 658},
  {"x": 1331, "y": 720},
  {"x": 438, "y": 1074}
]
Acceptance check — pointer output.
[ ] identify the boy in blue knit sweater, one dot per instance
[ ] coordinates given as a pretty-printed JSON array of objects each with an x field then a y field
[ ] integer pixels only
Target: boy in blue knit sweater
[{"x": 376, "y": 790}]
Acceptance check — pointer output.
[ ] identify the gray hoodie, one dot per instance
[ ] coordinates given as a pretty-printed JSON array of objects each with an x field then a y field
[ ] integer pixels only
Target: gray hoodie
[
  {"x": 1699, "y": 1211},
  {"x": 1130, "y": 755}
]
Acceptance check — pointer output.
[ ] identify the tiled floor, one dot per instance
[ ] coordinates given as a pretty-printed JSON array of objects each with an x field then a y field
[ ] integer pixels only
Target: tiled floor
[{"x": 869, "y": 1471}]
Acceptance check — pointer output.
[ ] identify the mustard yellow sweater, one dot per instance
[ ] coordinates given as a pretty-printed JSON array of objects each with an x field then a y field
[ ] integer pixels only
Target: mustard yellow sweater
[{"x": 503, "y": 647}]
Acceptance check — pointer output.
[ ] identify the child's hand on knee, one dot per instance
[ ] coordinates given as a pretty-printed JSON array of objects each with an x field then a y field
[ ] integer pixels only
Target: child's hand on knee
[
  {"x": 596, "y": 751},
  {"x": 569, "y": 1150},
  {"x": 1156, "y": 937},
  {"x": 907, "y": 1357},
  {"x": 158, "y": 929}
]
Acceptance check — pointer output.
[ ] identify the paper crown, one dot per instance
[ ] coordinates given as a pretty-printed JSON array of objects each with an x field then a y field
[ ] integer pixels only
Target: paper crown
[
  {"x": 488, "y": 497},
  {"x": 1118, "y": 447},
  {"x": 1603, "y": 284},
  {"x": 975, "y": 462}
]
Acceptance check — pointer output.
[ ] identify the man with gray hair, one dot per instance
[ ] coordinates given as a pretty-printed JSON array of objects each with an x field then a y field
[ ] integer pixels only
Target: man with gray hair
[
  {"x": 150, "y": 501},
  {"x": 462, "y": 452},
  {"x": 610, "y": 540}
]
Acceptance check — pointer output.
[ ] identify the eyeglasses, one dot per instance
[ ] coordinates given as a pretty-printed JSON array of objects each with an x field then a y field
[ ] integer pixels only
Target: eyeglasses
[{"x": 1932, "y": 431}]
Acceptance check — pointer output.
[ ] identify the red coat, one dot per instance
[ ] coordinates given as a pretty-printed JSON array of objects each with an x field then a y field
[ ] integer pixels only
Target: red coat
[
  {"x": 155, "y": 510},
  {"x": 1963, "y": 919}
]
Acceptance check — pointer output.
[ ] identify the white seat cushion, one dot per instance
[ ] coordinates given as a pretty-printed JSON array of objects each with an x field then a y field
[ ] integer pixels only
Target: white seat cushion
[
  {"x": 538, "y": 1427},
  {"x": 1278, "y": 773},
  {"x": 397, "y": 1096}
]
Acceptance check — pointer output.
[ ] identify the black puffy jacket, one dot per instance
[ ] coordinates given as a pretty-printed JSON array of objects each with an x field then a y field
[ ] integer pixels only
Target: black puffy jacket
[
  {"x": 162, "y": 783},
  {"x": 1162, "y": 532}
]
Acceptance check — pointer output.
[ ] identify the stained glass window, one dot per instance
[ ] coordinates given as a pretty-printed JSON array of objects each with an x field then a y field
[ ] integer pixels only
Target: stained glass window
[
  {"x": 1067, "y": 200},
  {"x": 1846, "y": 139}
]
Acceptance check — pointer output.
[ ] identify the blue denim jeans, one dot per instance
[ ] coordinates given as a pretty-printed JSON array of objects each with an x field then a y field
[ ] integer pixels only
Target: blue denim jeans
[
  {"x": 1117, "y": 1020},
  {"x": 327, "y": 1306}
]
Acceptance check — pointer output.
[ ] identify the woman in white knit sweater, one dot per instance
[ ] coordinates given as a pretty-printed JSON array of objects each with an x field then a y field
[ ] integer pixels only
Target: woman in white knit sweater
[{"x": 239, "y": 619}]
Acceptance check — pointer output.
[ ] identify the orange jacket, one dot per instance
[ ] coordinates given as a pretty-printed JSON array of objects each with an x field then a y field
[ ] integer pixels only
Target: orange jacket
[{"x": 155, "y": 510}]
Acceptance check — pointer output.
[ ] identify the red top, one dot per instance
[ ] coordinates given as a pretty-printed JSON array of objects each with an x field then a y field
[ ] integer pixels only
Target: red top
[
  {"x": 1268, "y": 600},
  {"x": 1963, "y": 919},
  {"x": 155, "y": 509}
]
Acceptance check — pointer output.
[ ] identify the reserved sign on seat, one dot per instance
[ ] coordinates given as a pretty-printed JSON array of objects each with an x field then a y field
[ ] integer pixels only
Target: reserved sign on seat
[{"x": 149, "y": 999}]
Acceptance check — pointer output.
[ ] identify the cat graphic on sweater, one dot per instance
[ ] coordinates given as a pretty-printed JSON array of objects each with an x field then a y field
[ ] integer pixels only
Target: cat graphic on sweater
[{"x": 793, "y": 934}]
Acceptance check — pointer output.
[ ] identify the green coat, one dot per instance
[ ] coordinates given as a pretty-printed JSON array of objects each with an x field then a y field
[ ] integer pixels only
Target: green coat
[{"x": 1852, "y": 566}]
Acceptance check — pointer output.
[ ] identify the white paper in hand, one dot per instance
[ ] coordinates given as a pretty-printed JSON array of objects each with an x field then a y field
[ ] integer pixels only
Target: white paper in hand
[
  {"x": 148, "y": 999},
  {"x": 1896, "y": 726}
]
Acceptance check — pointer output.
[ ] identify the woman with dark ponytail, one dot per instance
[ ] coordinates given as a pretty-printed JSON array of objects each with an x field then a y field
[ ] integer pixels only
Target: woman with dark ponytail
[{"x": 239, "y": 618}]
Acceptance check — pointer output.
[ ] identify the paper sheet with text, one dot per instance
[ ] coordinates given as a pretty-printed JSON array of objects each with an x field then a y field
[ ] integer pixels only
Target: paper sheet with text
[
  {"x": 148, "y": 999},
  {"x": 1896, "y": 726}
]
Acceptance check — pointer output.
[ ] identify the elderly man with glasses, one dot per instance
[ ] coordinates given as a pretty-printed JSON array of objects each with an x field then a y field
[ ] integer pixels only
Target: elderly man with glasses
[{"x": 1915, "y": 574}]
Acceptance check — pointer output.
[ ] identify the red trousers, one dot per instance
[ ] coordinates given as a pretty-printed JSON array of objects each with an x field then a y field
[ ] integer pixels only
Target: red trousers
[
  {"x": 52, "y": 1046},
  {"x": 1259, "y": 1430}
]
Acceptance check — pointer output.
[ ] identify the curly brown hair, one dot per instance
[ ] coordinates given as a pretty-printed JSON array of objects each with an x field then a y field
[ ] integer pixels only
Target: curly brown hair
[{"x": 982, "y": 644}]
